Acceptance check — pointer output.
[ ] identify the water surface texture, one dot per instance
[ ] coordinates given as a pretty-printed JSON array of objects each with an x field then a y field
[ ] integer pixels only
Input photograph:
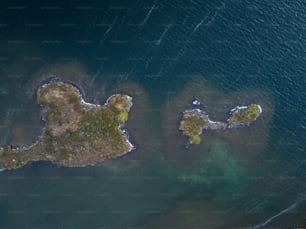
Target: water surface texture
[{"x": 163, "y": 54}]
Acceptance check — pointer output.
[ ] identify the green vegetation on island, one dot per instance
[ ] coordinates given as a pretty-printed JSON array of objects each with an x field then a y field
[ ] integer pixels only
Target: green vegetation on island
[
  {"x": 194, "y": 121},
  {"x": 244, "y": 115},
  {"x": 76, "y": 133}
]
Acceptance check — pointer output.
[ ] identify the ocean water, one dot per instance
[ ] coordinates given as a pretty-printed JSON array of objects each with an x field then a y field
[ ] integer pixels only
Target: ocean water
[{"x": 163, "y": 54}]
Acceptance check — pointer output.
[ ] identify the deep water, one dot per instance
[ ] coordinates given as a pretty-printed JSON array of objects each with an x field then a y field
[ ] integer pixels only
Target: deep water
[{"x": 229, "y": 48}]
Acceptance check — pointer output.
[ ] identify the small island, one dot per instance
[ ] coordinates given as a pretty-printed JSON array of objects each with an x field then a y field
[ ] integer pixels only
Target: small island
[
  {"x": 76, "y": 133},
  {"x": 194, "y": 121},
  {"x": 244, "y": 115}
]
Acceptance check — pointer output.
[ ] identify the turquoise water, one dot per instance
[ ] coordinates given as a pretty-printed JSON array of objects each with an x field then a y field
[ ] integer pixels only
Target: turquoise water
[{"x": 163, "y": 54}]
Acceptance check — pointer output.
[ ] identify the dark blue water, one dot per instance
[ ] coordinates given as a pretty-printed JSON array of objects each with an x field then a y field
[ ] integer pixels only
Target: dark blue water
[{"x": 232, "y": 46}]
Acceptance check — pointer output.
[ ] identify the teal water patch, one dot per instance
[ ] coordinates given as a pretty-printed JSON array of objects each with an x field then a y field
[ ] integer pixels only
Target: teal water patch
[{"x": 221, "y": 177}]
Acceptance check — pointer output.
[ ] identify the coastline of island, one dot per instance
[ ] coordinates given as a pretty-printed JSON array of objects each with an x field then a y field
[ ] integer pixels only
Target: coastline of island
[
  {"x": 195, "y": 121},
  {"x": 76, "y": 133},
  {"x": 247, "y": 144}
]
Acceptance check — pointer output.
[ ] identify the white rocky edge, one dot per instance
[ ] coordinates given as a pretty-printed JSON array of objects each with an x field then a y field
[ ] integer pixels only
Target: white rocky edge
[
  {"x": 196, "y": 102},
  {"x": 120, "y": 127},
  {"x": 245, "y": 107}
]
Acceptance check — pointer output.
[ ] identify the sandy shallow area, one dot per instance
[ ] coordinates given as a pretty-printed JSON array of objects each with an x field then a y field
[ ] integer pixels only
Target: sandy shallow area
[{"x": 247, "y": 144}]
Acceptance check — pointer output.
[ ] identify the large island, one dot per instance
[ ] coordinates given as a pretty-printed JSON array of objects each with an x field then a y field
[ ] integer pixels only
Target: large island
[{"x": 76, "y": 133}]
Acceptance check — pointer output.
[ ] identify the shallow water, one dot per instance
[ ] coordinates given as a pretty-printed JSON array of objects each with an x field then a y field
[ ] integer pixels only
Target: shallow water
[{"x": 163, "y": 54}]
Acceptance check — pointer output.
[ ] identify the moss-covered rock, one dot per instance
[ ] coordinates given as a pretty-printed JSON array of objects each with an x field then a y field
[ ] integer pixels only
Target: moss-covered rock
[
  {"x": 76, "y": 133},
  {"x": 194, "y": 121},
  {"x": 244, "y": 115},
  {"x": 192, "y": 124}
]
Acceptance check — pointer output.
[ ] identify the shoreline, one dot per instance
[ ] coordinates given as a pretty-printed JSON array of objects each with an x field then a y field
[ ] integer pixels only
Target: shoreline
[
  {"x": 217, "y": 104},
  {"x": 23, "y": 159}
]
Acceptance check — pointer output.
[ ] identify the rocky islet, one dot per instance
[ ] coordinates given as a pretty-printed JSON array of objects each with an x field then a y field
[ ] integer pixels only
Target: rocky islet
[
  {"x": 79, "y": 134},
  {"x": 194, "y": 121}
]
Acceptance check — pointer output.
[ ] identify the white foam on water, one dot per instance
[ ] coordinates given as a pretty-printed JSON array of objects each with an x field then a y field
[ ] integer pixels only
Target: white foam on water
[
  {"x": 2, "y": 169},
  {"x": 269, "y": 220}
]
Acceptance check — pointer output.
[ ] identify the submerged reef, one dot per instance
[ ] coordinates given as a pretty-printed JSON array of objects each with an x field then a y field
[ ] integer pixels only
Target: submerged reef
[
  {"x": 194, "y": 121},
  {"x": 76, "y": 133},
  {"x": 220, "y": 176}
]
